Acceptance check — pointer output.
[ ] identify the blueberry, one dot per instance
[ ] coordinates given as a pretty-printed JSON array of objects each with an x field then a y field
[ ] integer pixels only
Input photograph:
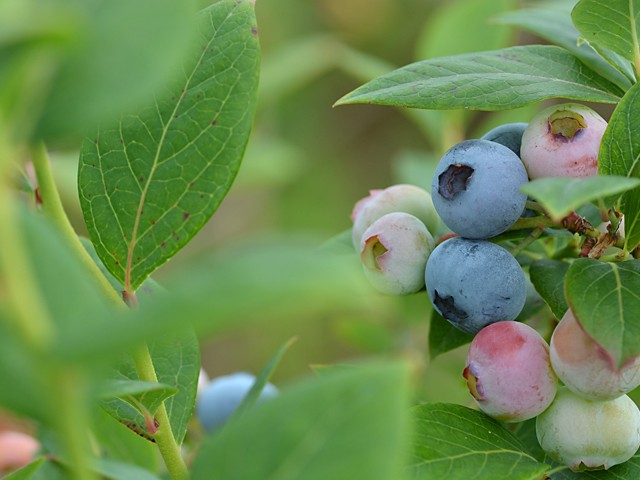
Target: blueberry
[
  {"x": 585, "y": 367},
  {"x": 508, "y": 372},
  {"x": 476, "y": 188},
  {"x": 223, "y": 395},
  {"x": 394, "y": 252},
  {"x": 589, "y": 434},
  {"x": 473, "y": 283},
  {"x": 397, "y": 198},
  {"x": 509, "y": 135},
  {"x": 563, "y": 141}
]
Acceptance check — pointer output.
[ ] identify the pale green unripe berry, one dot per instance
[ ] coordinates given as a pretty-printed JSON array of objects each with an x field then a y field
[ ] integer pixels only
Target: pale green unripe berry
[
  {"x": 589, "y": 434},
  {"x": 394, "y": 252},
  {"x": 397, "y": 198},
  {"x": 586, "y": 367}
]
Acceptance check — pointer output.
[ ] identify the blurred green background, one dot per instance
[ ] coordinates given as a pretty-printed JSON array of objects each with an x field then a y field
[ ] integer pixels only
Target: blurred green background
[{"x": 307, "y": 163}]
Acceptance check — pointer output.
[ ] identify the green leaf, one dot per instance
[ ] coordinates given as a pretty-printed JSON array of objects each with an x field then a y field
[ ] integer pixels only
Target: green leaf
[
  {"x": 548, "y": 278},
  {"x": 526, "y": 433},
  {"x": 253, "y": 395},
  {"x": 627, "y": 470},
  {"x": 604, "y": 298},
  {"x": 119, "y": 55},
  {"x": 457, "y": 443},
  {"x": 612, "y": 24},
  {"x": 177, "y": 363},
  {"x": 70, "y": 295},
  {"x": 21, "y": 371},
  {"x": 619, "y": 155},
  {"x": 347, "y": 424},
  {"x": 553, "y": 23},
  {"x": 560, "y": 196},
  {"x": 148, "y": 184},
  {"x": 148, "y": 292},
  {"x": 132, "y": 391},
  {"x": 27, "y": 472},
  {"x": 443, "y": 336},
  {"x": 494, "y": 80}
]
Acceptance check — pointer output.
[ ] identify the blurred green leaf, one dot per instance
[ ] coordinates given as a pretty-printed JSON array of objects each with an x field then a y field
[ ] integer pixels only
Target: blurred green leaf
[
  {"x": 117, "y": 442},
  {"x": 51, "y": 470},
  {"x": 494, "y": 80},
  {"x": 560, "y": 196},
  {"x": 603, "y": 297},
  {"x": 72, "y": 298},
  {"x": 288, "y": 69},
  {"x": 122, "y": 53},
  {"x": 365, "y": 334},
  {"x": 27, "y": 472},
  {"x": 254, "y": 393},
  {"x": 340, "y": 244},
  {"x": 619, "y": 152},
  {"x": 553, "y": 23},
  {"x": 443, "y": 336},
  {"x": 20, "y": 376},
  {"x": 242, "y": 285},
  {"x": 347, "y": 424},
  {"x": 442, "y": 36},
  {"x": 457, "y": 443},
  {"x": 415, "y": 168},
  {"x": 548, "y": 278},
  {"x": 115, "y": 470},
  {"x": 150, "y": 183},
  {"x": 612, "y": 24}
]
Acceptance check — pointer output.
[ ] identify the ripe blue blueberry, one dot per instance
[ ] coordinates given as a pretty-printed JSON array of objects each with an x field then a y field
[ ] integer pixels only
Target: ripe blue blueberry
[
  {"x": 476, "y": 188},
  {"x": 473, "y": 283},
  {"x": 509, "y": 135},
  {"x": 223, "y": 395}
]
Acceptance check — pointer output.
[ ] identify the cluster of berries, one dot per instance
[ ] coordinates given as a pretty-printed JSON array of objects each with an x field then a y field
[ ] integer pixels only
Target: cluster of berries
[{"x": 480, "y": 288}]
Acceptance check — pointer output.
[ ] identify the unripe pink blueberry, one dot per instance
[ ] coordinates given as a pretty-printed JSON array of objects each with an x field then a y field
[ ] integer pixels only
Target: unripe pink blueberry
[
  {"x": 394, "y": 252},
  {"x": 586, "y": 367},
  {"x": 397, "y": 198},
  {"x": 17, "y": 449},
  {"x": 589, "y": 434},
  {"x": 563, "y": 141},
  {"x": 508, "y": 372}
]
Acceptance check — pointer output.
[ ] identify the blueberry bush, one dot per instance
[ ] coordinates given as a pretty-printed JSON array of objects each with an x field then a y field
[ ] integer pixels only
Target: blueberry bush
[{"x": 517, "y": 234}]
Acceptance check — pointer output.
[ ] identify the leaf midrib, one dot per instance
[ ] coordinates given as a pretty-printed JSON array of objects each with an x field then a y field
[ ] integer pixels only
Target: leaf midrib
[
  {"x": 165, "y": 128},
  {"x": 463, "y": 76}
]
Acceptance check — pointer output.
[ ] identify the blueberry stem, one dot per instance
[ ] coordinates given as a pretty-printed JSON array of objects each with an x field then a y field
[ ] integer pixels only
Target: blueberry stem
[
  {"x": 533, "y": 236},
  {"x": 53, "y": 208},
  {"x": 525, "y": 223},
  {"x": 535, "y": 206},
  {"x": 169, "y": 449}
]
